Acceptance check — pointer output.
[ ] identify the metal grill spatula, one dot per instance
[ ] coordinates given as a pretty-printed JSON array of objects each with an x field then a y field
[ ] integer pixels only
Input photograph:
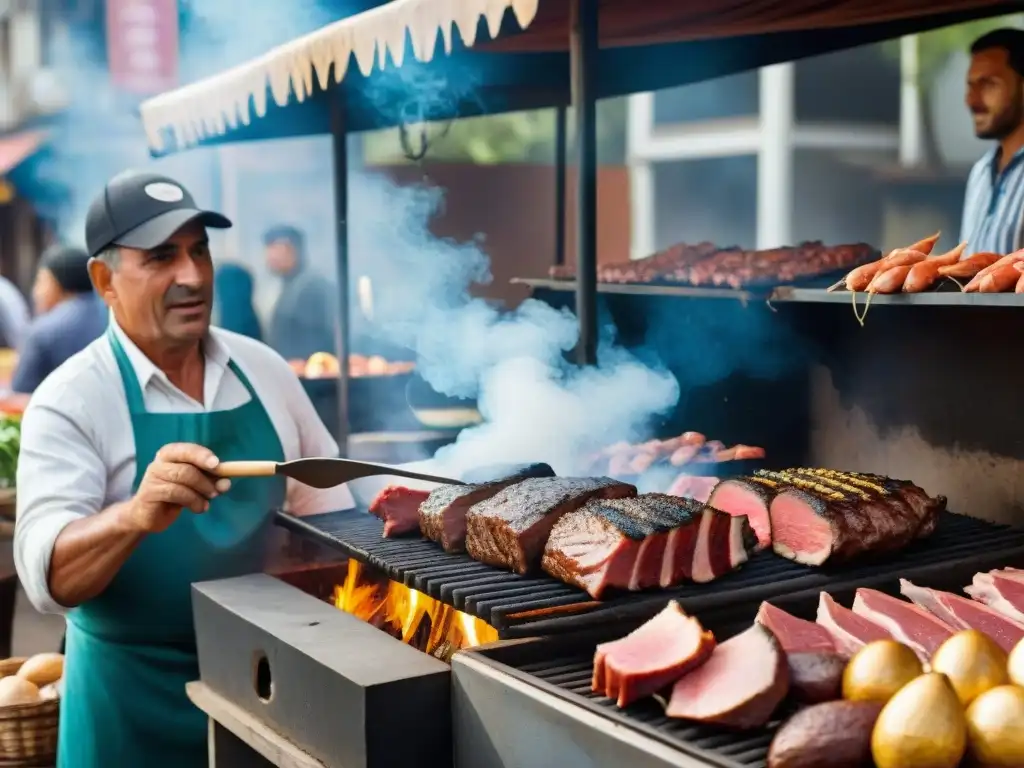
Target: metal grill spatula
[{"x": 322, "y": 473}]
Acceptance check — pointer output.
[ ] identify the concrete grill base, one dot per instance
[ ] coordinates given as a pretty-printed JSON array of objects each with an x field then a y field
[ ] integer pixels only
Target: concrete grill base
[{"x": 345, "y": 692}]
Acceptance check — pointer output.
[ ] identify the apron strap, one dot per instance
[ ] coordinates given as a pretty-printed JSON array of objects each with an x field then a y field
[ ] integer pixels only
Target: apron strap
[{"x": 132, "y": 388}]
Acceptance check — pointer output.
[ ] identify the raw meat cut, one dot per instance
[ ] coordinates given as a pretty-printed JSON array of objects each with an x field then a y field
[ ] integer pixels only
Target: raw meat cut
[
  {"x": 739, "y": 686},
  {"x": 794, "y": 635},
  {"x": 651, "y": 657},
  {"x": 821, "y": 515},
  {"x": 908, "y": 623},
  {"x": 961, "y": 613},
  {"x": 642, "y": 542},
  {"x": 690, "y": 487},
  {"x": 511, "y": 528},
  {"x": 398, "y": 507},
  {"x": 1001, "y": 590},
  {"x": 849, "y": 631},
  {"x": 442, "y": 517},
  {"x": 748, "y": 496}
]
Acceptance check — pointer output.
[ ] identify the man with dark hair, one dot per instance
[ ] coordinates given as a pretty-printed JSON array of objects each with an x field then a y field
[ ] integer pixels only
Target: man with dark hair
[
  {"x": 69, "y": 316},
  {"x": 993, "y": 216},
  {"x": 303, "y": 318}
]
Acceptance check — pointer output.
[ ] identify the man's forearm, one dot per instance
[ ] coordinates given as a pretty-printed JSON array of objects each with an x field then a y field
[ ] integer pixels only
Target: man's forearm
[{"x": 88, "y": 553}]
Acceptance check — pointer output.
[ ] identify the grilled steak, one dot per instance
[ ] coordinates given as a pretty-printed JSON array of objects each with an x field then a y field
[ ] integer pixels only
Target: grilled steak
[
  {"x": 820, "y": 515},
  {"x": 1002, "y": 590},
  {"x": 651, "y": 657},
  {"x": 511, "y": 528},
  {"x": 961, "y": 613},
  {"x": 650, "y": 540},
  {"x": 849, "y": 631},
  {"x": 749, "y": 496},
  {"x": 398, "y": 507},
  {"x": 908, "y": 623},
  {"x": 442, "y": 517},
  {"x": 739, "y": 686}
]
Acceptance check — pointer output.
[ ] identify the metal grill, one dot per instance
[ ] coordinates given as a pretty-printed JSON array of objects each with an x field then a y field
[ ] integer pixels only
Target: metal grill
[{"x": 519, "y": 606}]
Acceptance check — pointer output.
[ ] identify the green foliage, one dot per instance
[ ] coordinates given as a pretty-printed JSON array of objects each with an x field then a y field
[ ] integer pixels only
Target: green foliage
[
  {"x": 10, "y": 445},
  {"x": 517, "y": 137},
  {"x": 935, "y": 47}
]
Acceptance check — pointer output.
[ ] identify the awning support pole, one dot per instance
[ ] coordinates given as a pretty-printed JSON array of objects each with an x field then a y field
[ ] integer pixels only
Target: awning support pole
[
  {"x": 339, "y": 144},
  {"x": 561, "y": 115},
  {"x": 583, "y": 54}
]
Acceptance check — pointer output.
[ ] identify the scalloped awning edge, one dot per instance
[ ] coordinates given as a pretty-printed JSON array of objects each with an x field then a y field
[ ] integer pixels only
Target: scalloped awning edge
[{"x": 219, "y": 103}]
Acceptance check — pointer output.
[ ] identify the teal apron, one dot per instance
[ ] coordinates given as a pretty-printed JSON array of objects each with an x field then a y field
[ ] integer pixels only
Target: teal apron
[{"x": 131, "y": 650}]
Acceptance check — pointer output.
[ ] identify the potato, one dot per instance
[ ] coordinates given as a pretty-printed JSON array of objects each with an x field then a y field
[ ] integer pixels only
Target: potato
[
  {"x": 42, "y": 669},
  {"x": 17, "y": 690}
]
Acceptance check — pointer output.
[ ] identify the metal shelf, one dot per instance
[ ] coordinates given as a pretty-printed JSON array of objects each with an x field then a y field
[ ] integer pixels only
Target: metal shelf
[
  {"x": 788, "y": 294},
  {"x": 634, "y": 289}
]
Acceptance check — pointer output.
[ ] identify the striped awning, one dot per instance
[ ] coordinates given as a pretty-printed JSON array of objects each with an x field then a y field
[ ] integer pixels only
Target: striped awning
[{"x": 299, "y": 68}]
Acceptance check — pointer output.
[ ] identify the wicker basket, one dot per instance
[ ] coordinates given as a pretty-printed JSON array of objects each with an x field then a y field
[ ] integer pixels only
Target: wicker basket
[{"x": 28, "y": 732}]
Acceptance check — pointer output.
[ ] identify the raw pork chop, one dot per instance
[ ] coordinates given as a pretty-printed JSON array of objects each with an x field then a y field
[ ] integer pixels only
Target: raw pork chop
[
  {"x": 961, "y": 613},
  {"x": 739, "y": 686},
  {"x": 442, "y": 517},
  {"x": 1002, "y": 590},
  {"x": 511, "y": 528},
  {"x": 651, "y": 657},
  {"x": 908, "y": 623},
  {"x": 849, "y": 631},
  {"x": 398, "y": 507},
  {"x": 794, "y": 635},
  {"x": 815, "y": 668},
  {"x": 748, "y": 496}
]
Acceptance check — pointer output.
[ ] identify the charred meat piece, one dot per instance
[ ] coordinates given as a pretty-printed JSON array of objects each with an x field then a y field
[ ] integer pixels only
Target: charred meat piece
[
  {"x": 961, "y": 613},
  {"x": 748, "y": 496},
  {"x": 832, "y": 735},
  {"x": 908, "y": 623},
  {"x": 510, "y": 528},
  {"x": 821, "y": 515},
  {"x": 442, "y": 517},
  {"x": 1001, "y": 590},
  {"x": 651, "y": 657},
  {"x": 398, "y": 507},
  {"x": 849, "y": 631},
  {"x": 740, "y": 686}
]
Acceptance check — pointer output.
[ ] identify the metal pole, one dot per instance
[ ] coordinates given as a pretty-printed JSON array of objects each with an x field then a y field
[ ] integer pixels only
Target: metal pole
[
  {"x": 583, "y": 53},
  {"x": 339, "y": 142},
  {"x": 775, "y": 157},
  {"x": 560, "y": 151}
]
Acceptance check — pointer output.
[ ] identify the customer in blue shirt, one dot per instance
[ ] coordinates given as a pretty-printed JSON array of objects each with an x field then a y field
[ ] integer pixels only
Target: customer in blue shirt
[
  {"x": 233, "y": 301},
  {"x": 69, "y": 316}
]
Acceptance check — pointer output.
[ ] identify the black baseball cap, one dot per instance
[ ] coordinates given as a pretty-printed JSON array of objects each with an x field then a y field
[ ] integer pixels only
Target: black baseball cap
[{"x": 142, "y": 210}]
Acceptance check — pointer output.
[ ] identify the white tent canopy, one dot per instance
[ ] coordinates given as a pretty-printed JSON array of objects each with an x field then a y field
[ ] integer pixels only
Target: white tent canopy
[{"x": 217, "y": 104}]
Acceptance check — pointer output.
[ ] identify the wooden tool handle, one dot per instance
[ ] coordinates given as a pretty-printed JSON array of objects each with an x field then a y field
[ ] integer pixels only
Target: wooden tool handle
[{"x": 246, "y": 469}]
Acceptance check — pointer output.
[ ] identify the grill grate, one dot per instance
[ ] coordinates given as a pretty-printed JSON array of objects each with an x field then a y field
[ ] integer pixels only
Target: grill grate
[{"x": 519, "y": 606}]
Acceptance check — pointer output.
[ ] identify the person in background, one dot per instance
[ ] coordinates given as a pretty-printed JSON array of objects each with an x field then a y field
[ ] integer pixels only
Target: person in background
[
  {"x": 233, "y": 301},
  {"x": 14, "y": 315},
  {"x": 993, "y": 215},
  {"x": 69, "y": 316},
  {"x": 302, "y": 321}
]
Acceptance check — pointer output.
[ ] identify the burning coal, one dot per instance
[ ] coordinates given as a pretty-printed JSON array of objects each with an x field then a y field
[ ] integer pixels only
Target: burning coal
[{"x": 409, "y": 615}]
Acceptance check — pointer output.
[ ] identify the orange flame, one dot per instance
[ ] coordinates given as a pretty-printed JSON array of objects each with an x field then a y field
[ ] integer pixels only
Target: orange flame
[{"x": 409, "y": 615}]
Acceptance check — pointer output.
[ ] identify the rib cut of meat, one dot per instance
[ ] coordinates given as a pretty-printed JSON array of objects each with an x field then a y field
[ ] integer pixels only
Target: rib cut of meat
[
  {"x": 961, "y": 613},
  {"x": 749, "y": 496},
  {"x": 849, "y": 631},
  {"x": 821, "y": 515},
  {"x": 739, "y": 686},
  {"x": 442, "y": 517},
  {"x": 511, "y": 528},
  {"x": 794, "y": 635},
  {"x": 908, "y": 623},
  {"x": 1001, "y": 590},
  {"x": 398, "y": 507},
  {"x": 651, "y": 657},
  {"x": 642, "y": 542}
]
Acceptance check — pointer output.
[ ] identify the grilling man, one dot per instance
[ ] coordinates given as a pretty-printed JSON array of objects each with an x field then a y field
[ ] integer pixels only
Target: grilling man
[
  {"x": 118, "y": 513},
  {"x": 993, "y": 216}
]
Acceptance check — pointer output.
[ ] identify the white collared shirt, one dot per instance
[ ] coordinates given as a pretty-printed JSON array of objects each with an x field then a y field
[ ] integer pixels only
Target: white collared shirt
[{"x": 78, "y": 450}]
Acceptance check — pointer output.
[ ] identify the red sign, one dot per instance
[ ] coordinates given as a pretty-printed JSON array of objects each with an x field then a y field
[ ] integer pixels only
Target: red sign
[{"x": 142, "y": 45}]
